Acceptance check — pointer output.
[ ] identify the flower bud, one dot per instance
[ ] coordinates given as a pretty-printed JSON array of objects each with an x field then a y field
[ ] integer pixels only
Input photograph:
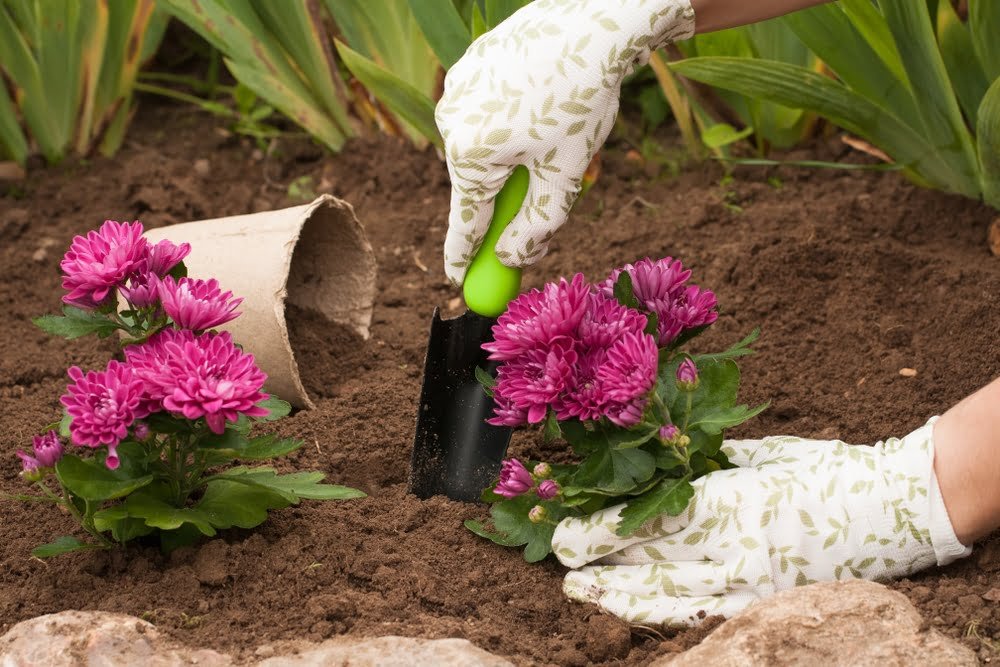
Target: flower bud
[
  {"x": 687, "y": 376},
  {"x": 683, "y": 441},
  {"x": 514, "y": 479},
  {"x": 669, "y": 433},
  {"x": 140, "y": 431},
  {"x": 548, "y": 489},
  {"x": 48, "y": 449},
  {"x": 542, "y": 471},
  {"x": 537, "y": 514}
]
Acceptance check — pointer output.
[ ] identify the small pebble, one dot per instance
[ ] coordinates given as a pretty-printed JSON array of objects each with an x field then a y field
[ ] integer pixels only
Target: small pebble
[
  {"x": 908, "y": 372},
  {"x": 202, "y": 167}
]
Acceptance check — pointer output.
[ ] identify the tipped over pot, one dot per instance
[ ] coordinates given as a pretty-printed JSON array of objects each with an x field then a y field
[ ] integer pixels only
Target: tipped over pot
[{"x": 314, "y": 256}]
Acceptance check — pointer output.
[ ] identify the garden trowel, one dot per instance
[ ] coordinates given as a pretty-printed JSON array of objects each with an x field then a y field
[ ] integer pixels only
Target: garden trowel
[{"x": 455, "y": 452}]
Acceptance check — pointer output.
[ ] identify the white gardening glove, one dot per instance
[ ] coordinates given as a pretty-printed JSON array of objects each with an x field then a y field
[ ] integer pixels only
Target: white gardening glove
[
  {"x": 541, "y": 90},
  {"x": 798, "y": 511}
]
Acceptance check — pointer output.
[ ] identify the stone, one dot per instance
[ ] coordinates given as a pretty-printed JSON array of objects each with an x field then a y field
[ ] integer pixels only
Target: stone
[
  {"x": 830, "y": 624},
  {"x": 76, "y": 638},
  {"x": 994, "y": 237},
  {"x": 72, "y": 638},
  {"x": 202, "y": 167},
  {"x": 385, "y": 652}
]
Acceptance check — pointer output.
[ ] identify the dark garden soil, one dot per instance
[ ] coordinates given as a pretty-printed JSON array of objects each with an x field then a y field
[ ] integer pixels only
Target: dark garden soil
[{"x": 852, "y": 276}]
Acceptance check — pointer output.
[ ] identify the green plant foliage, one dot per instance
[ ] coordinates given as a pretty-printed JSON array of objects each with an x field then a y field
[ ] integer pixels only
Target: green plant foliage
[
  {"x": 773, "y": 124},
  {"x": 407, "y": 102},
  {"x": 281, "y": 52},
  {"x": 911, "y": 80},
  {"x": 72, "y": 66}
]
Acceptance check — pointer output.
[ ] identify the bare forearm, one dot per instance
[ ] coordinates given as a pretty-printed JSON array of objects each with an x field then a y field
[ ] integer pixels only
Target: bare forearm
[
  {"x": 712, "y": 15},
  {"x": 967, "y": 463}
]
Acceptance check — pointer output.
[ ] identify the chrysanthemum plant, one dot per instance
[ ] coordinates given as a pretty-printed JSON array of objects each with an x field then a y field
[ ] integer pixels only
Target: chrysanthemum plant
[
  {"x": 604, "y": 368},
  {"x": 153, "y": 435}
]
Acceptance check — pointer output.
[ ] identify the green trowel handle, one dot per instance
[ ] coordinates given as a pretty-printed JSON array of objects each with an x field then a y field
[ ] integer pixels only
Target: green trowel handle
[{"x": 489, "y": 285}]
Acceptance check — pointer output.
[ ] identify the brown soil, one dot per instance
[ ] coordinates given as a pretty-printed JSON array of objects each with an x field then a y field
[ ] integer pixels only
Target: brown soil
[{"x": 852, "y": 276}]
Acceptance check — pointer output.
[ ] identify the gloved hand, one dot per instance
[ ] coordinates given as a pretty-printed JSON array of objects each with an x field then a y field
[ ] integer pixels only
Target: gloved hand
[
  {"x": 541, "y": 89},
  {"x": 796, "y": 512}
]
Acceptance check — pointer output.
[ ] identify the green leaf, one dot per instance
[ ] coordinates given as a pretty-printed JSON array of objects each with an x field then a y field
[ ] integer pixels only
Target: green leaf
[
  {"x": 740, "y": 349},
  {"x": 228, "y": 504},
  {"x": 873, "y": 70},
  {"x": 410, "y": 104},
  {"x": 486, "y": 380},
  {"x": 723, "y": 134},
  {"x": 624, "y": 291},
  {"x": 117, "y": 520},
  {"x": 497, "y": 11},
  {"x": 276, "y": 409},
  {"x": 942, "y": 122},
  {"x": 233, "y": 444},
  {"x": 513, "y": 528},
  {"x": 984, "y": 24},
  {"x": 76, "y": 322},
  {"x": 552, "y": 430},
  {"x": 989, "y": 144},
  {"x": 64, "y": 425},
  {"x": 966, "y": 73},
  {"x": 92, "y": 481},
  {"x": 164, "y": 422},
  {"x": 179, "y": 271},
  {"x": 715, "y": 421},
  {"x": 798, "y": 87},
  {"x": 62, "y": 545},
  {"x": 158, "y": 514},
  {"x": 613, "y": 471},
  {"x": 292, "y": 487},
  {"x": 443, "y": 28},
  {"x": 670, "y": 496}
]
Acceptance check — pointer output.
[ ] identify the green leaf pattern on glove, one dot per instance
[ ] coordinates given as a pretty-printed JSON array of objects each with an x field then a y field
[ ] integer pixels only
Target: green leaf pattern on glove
[
  {"x": 541, "y": 89},
  {"x": 795, "y": 512}
]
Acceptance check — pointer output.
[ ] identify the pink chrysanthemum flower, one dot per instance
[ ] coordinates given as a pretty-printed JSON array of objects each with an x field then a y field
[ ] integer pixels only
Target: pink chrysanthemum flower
[
  {"x": 148, "y": 359},
  {"x": 199, "y": 376},
  {"x": 538, "y": 378},
  {"x": 535, "y": 318},
  {"x": 141, "y": 290},
  {"x": 506, "y": 414},
  {"x": 660, "y": 286},
  {"x": 47, "y": 450},
  {"x": 606, "y": 321},
  {"x": 514, "y": 479},
  {"x": 98, "y": 263},
  {"x": 586, "y": 400},
  {"x": 165, "y": 255},
  {"x": 629, "y": 369},
  {"x": 197, "y": 305},
  {"x": 102, "y": 406}
]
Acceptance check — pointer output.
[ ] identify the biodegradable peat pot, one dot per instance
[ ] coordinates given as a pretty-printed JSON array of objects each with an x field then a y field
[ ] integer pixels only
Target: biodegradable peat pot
[{"x": 314, "y": 256}]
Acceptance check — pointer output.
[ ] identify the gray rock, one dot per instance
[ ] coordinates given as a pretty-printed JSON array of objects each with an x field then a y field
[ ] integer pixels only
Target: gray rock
[
  {"x": 841, "y": 623},
  {"x": 387, "y": 652},
  {"x": 102, "y": 639},
  {"x": 96, "y": 639}
]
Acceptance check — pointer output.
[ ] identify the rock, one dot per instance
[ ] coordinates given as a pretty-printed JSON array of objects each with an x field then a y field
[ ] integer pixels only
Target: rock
[
  {"x": 994, "y": 237},
  {"x": 72, "y": 638},
  {"x": 385, "y": 652},
  {"x": 202, "y": 167},
  {"x": 76, "y": 638},
  {"x": 840, "y": 623},
  {"x": 993, "y": 595}
]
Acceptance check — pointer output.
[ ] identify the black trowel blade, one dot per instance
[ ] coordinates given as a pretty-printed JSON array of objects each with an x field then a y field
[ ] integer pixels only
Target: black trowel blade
[{"x": 455, "y": 452}]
